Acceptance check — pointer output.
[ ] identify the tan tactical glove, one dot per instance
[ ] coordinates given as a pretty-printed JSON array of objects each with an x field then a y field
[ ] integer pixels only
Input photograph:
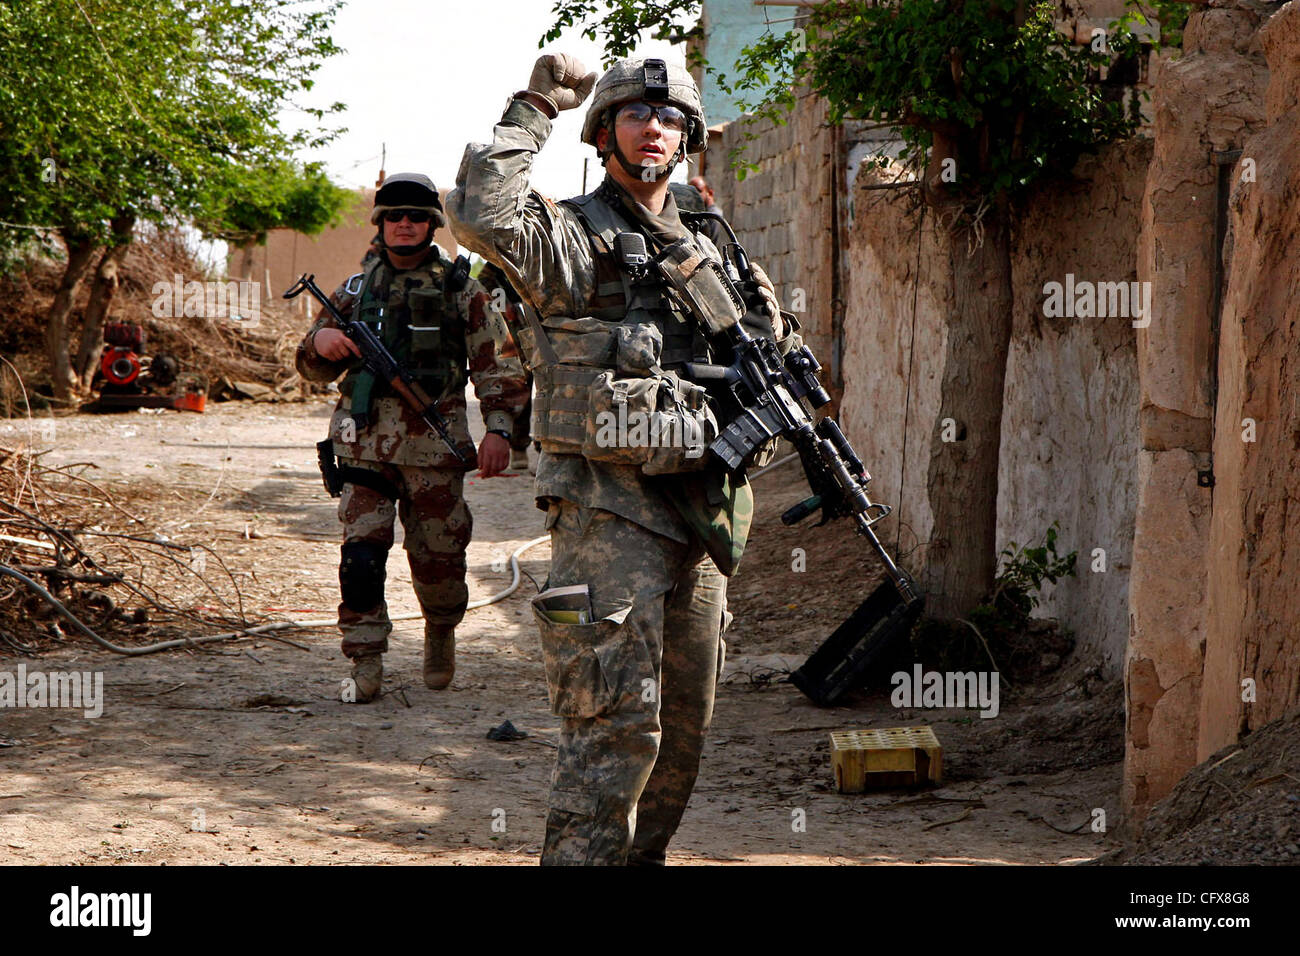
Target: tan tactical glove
[
  {"x": 768, "y": 292},
  {"x": 561, "y": 80}
]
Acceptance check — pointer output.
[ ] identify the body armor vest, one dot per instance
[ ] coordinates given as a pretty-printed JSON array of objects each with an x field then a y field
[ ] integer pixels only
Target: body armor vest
[
  {"x": 631, "y": 326},
  {"x": 620, "y": 299},
  {"x": 420, "y": 325}
]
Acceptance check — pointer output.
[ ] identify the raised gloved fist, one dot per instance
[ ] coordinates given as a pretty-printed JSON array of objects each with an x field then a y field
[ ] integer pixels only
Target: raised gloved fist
[{"x": 561, "y": 80}]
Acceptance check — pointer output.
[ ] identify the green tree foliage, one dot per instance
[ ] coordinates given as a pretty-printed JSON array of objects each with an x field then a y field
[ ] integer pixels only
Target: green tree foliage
[
  {"x": 988, "y": 84},
  {"x": 113, "y": 104},
  {"x": 115, "y": 111},
  {"x": 619, "y": 24},
  {"x": 242, "y": 204}
]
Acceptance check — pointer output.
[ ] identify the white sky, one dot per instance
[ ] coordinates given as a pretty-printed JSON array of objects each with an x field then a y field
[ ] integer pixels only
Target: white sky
[{"x": 425, "y": 77}]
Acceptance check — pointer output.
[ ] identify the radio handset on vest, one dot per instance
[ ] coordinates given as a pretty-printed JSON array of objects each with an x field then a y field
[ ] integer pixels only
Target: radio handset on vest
[{"x": 632, "y": 255}]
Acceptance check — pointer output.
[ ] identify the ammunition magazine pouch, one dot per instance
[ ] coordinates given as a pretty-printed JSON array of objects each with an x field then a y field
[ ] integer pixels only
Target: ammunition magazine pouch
[
  {"x": 434, "y": 350},
  {"x": 702, "y": 286},
  {"x": 633, "y": 413}
]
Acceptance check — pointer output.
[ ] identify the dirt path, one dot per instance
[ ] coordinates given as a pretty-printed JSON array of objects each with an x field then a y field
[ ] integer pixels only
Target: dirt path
[{"x": 244, "y": 753}]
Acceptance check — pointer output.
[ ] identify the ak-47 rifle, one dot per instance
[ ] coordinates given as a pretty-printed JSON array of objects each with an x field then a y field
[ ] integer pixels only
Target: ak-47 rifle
[
  {"x": 382, "y": 365},
  {"x": 763, "y": 396}
]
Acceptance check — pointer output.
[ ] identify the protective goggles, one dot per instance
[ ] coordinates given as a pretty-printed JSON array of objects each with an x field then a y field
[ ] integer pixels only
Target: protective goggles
[
  {"x": 638, "y": 114},
  {"x": 415, "y": 215}
]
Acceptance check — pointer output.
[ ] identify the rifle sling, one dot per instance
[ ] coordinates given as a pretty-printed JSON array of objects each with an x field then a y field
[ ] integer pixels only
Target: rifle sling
[{"x": 544, "y": 347}]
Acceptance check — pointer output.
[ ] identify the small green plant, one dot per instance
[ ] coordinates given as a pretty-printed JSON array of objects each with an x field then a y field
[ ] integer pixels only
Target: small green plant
[
  {"x": 999, "y": 630},
  {"x": 1023, "y": 571}
]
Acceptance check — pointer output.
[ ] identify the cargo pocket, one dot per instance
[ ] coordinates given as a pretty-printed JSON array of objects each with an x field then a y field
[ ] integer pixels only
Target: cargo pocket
[{"x": 591, "y": 669}]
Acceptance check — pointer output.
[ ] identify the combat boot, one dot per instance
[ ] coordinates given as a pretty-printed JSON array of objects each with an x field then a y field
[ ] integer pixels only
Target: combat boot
[
  {"x": 368, "y": 675},
  {"x": 519, "y": 459},
  {"x": 439, "y": 656}
]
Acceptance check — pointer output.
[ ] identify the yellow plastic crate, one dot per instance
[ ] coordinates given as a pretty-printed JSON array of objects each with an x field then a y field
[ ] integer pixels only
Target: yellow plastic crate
[{"x": 889, "y": 757}]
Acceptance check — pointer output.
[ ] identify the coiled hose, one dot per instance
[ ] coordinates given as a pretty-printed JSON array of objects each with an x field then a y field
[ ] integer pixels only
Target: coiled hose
[{"x": 54, "y": 602}]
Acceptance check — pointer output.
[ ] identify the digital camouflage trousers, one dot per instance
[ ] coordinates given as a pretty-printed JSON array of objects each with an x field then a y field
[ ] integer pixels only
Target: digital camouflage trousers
[
  {"x": 437, "y": 526},
  {"x": 634, "y": 689}
]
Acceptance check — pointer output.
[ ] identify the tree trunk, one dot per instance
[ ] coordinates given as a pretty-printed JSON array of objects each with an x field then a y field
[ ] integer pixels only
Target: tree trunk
[
  {"x": 101, "y": 299},
  {"x": 80, "y": 253},
  {"x": 246, "y": 262},
  {"x": 961, "y": 559}
]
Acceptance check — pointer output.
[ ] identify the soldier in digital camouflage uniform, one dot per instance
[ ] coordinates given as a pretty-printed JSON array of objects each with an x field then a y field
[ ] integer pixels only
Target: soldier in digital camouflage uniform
[
  {"x": 439, "y": 326},
  {"x": 635, "y": 685}
]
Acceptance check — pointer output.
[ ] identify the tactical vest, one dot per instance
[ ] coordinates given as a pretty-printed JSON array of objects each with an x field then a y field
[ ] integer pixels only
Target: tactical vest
[
  {"x": 421, "y": 325},
  {"x": 614, "y": 334}
]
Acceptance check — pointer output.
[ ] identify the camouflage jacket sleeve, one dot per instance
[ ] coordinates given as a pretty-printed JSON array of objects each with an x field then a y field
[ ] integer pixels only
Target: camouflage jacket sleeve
[
  {"x": 540, "y": 245},
  {"x": 310, "y": 363},
  {"x": 494, "y": 365}
]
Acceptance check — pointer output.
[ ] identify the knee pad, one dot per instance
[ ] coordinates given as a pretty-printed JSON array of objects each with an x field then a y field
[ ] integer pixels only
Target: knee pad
[{"x": 361, "y": 575}]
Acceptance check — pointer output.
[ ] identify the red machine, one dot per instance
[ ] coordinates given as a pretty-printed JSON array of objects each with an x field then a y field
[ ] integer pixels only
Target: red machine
[
  {"x": 120, "y": 363},
  {"x": 129, "y": 379}
]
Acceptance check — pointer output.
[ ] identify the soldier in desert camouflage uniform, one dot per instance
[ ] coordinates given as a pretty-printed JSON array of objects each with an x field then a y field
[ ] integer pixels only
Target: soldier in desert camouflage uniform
[
  {"x": 393, "y": 464},
  {"x": 651, "y": 536}
]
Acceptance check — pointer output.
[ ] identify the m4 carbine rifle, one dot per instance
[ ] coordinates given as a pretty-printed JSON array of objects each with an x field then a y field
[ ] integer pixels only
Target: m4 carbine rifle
[
  {"x": 383, "y": 366},
  {"x": 763, "y": 396}
]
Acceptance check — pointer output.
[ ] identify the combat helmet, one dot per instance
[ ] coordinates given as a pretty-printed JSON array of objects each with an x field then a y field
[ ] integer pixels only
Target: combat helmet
[
  {"x": 654, "y": 81},
  {"x": 687, "y": 196},
  {"x": 408, "y": 191}
]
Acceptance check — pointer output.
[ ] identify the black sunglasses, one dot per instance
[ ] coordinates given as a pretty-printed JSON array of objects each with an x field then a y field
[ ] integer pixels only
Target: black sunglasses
[
  {"x": 636, "y": 114},
  {"x": 415, "y": 215}
]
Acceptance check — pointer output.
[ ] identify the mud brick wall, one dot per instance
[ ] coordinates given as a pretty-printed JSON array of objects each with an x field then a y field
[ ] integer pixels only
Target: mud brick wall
[
  {"x": 1069, "y": 429},
  {"x": 1070, "y": 419},
  {"x": 783, "y": 213},
  {"x": 1253, "y": 602},
  {"x": 1209, "y": 100}
]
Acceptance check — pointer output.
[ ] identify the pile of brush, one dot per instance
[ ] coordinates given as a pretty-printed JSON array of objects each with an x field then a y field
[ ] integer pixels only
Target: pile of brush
[{"x": 77, "y": 565}]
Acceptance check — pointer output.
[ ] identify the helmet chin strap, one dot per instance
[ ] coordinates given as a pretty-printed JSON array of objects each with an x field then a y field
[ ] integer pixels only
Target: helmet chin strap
[{"x": 660, "y": 172}]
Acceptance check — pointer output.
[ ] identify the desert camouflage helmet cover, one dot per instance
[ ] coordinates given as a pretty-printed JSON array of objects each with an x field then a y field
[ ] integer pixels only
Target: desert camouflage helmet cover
[
  {"x": 625, "y": 81},
  {"x": 408, "y": 191}
]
